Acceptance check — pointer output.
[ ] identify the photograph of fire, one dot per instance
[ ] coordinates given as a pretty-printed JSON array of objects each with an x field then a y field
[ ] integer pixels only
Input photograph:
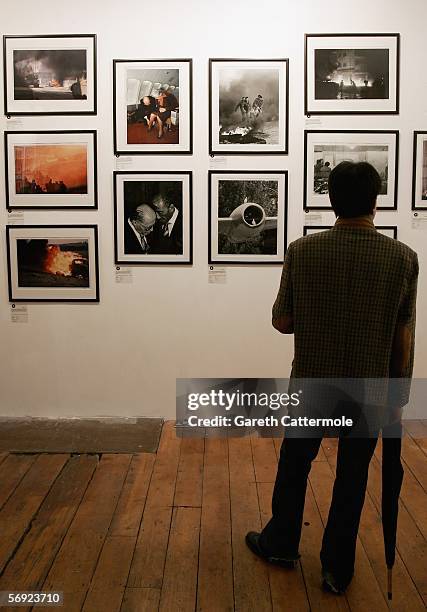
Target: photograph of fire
[
  {"x": 54, "y": 74},
  {"x": 249, "y": 106},
  {"x": 51, "y": 169},
  {"x": 53, "y": 262},
  {"x": 343, "y": 74}
]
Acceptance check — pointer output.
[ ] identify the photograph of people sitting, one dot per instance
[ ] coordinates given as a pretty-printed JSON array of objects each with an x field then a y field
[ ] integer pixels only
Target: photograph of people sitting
[
  {"x": 153, "y": 117},
  {"x": 154, "y": 226}
]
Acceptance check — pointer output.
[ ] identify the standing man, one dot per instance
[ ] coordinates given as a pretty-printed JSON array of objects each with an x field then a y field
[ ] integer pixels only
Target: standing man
[
  {"x": 348, "y": 295},
  {"x": 137, "y": 229},
  {"x": 167, "y": 235}
]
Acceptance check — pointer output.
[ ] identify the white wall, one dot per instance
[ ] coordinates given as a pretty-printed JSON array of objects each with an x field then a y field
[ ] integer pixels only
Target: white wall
[{"x": 121, "y": 356}]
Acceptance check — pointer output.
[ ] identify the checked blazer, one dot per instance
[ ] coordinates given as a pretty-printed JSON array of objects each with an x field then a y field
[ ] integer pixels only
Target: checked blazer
[{"x": 347, "y": 288}]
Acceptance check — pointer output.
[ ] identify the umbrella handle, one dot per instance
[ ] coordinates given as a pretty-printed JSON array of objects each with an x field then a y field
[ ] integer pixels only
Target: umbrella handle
[{"x": 390, "y": 583}]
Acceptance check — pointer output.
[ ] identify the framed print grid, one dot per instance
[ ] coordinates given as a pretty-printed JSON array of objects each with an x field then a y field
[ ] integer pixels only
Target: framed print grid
[
  {"x": 419, "y": 172},
  {"x": 386, "y": 230},
  {"x": 324, "y": 149},
  {"x": 51, "y": 169},
  {"x": 52, "y": 263},
  {"x": 153, "y": 106},
  {"x": 153, "y": 217},
  {"x": 248, "y": 106},
  {"x": 50, "y": 74},
  {"x": 247, "y": 217},
  {"x": 351, "y": 74}
]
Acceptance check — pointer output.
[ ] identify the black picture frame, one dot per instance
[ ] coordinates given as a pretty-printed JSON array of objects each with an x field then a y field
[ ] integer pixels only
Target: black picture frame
[
  {"x": 11, "y": 206},
  {"x": 10, "y": 112},
  {"x": 161, "y": 150},
  {"x": 212, "y": 150},
  {"x": 310, "y": 111},
  {"x": 237, "y": 262},
  {"x": 305, "y": 229},
  {"x": 415, "y": 173},
  {"x": 395, "y": 133},
  {"x": 14, "y": 298},
  {"x": 159, "y": 262}
]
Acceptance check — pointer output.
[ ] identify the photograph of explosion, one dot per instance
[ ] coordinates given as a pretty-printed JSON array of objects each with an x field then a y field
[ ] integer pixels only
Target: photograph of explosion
[
  {"x": 343, "y": 74},
  {"x": 254, "y": 231},
  {"x": 54, "y": 74},
  {"x": 53, "y": 262},
  {"x": 327, "y": 156},
  {"x": 249, "y": 106},
  {"x": 42, "y": 169}
]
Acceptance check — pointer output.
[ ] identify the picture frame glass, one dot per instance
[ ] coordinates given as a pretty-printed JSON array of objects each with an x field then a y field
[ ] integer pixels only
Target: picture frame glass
[
  {"x": 326, "y": 149},
  {"x": 152, "y": 106},
  {"x": 153, "y": 218},
  {"x": 248, "y": 106},
  {"x": 51, "y": 169},
  {"x": 52, "y": 263},
  {"x": 247, "y": 217},
  {"x": 50, "y": 74},
  {"x": 352, "y": 73}
]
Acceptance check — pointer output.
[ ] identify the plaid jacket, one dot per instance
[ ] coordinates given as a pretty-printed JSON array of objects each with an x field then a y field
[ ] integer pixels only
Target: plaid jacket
[{"x": 346, "y": 289}]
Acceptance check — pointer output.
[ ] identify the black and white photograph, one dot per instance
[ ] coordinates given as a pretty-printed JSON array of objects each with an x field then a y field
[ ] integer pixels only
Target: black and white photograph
[
  {"x": 50, "y": 74},
  {"x": 386, "y": 230},
  {"x": 152, "y": 106},
  {"x": 419, "y": 175},
  {"x": 153, "y": 217},
  {"x": 351, "y": 73},
  {"x": 51, "y": 169},
  {"x": 247, "y": 216},
  {"x": 248, "y": 106},
  {"x": 323, "y": 150},
  {"x": 52, "y": 263}
]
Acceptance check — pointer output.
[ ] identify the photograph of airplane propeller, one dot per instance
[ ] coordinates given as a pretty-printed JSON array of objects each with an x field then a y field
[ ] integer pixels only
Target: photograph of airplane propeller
[
  {"x": 246, "y": 222},
  {"x": 247, "y": 216}
]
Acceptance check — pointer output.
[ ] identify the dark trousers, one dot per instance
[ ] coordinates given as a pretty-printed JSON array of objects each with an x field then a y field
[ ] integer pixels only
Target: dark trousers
[{"x": 281, "y": 536}]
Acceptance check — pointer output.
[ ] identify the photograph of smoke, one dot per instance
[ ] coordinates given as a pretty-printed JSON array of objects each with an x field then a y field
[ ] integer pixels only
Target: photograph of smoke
[
  {"x": 50, "y": 75},
  {"x": 249, "y": 106},
  {"x": 49, "y": 169}
]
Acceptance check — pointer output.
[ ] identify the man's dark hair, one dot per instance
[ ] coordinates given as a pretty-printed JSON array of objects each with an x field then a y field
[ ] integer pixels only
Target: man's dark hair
[
  {"x": 353, "y": 189},
  {"x": 171, "y": 193}
]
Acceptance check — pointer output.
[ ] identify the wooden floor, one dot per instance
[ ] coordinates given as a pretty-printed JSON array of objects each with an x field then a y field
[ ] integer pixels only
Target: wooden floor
[{"x": 148, "y": 532}]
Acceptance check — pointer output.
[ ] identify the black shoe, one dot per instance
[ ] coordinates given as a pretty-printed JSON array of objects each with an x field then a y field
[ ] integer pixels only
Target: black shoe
[{"x": 252, "y": 542}]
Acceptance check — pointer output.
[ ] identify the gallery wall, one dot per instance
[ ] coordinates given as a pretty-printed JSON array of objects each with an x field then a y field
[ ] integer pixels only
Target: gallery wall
[{"x": 121, "y": 356}]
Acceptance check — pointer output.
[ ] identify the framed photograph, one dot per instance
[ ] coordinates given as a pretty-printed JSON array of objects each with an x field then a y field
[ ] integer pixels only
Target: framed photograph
[
  {"x": 323, "y": 150},
  {"x": 153, "y": 218},
  {"x": 152, "y": 106},
  {"x": 52, "y": 263},
  {"x": 248, "y": 106},
  {"x": 351, "y": 74},
  {"x": 51, "y": 169},
  {"x": 419, "y": 176},
  {"x": 50, "y": 74},
  {"x": 248, "y": 217},
  {"x": 386, "y": 230}
]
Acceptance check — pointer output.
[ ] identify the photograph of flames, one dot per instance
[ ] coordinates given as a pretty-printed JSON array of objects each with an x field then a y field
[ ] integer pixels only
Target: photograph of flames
[
  {"x": 249, "y": 106},
  {"x": 54, "y": 74},
  {"x": 53, "y": 262},
  {"x": 51, "y": 169}
]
